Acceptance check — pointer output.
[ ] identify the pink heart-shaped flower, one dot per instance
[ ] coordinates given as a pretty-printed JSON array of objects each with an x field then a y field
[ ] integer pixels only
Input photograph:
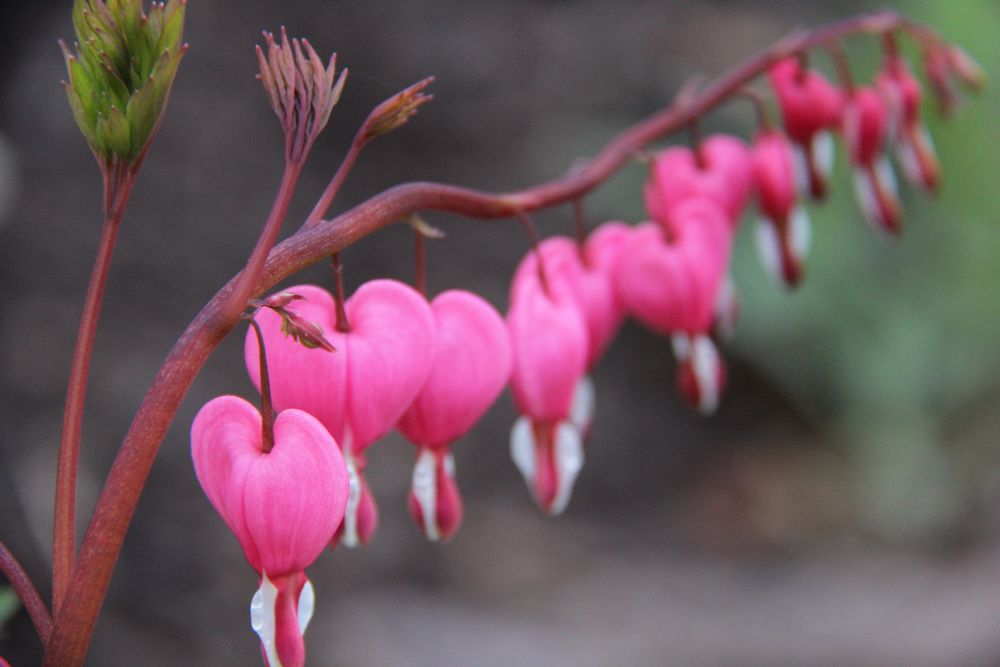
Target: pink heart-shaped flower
[
  {"x": 471, "y": 366},
  {"x": 283, "y": 505},
  {"x": 589, "y": 285},
  {"x": 359, "y": 391},
  {"x": 723, "y": 175},
  {"x": 672, "y": 287}
]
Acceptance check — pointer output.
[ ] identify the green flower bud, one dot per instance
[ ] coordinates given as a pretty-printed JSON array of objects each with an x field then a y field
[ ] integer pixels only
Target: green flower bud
[{"x": 122, "y": 71}]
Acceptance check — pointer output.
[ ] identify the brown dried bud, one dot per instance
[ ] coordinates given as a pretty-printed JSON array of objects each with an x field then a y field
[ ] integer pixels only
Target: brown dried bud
[
  {"x": 301, "y": 90},
  {"x": 965, "y": 67},
  {"x": 306, "y": 333},
  {"x": 396, "y": 110}
]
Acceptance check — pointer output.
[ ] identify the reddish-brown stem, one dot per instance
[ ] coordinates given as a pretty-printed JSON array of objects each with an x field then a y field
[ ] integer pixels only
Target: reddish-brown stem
[
  {"x": 26, "y": 590},
  {"x": 326, "y": 200},
  {"x": 759, "y": 107},
  {"x": 419, "y": 261},
  {"x": 81, "y": 604},
  {"x": 118, "y": 182},
  {"x": 580, "y": 227},
  {"x": 343, "y": 324},
  {"x": 102, "y": 543},
  {"x": 266, "y": 409},
  {"x": 529, "y": 228},
  {"x": 695, "y": 137},
  {"x": 843, "y": 67}
]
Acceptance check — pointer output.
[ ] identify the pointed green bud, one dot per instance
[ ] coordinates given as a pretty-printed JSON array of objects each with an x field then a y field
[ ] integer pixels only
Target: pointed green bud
[{"x": 121, "y": 74}]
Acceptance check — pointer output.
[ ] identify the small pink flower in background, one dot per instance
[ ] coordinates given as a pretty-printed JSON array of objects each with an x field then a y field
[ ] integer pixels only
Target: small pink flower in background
[
  {"x": 472, "y": 363},
  {"x": 721, "y": 171},
  {"x": 867, "y": 128},
  {"x": 811, "y": 107},
  {"x": 360, "y": 391},
  {"x": 672, "y": 287},
  {"x": 549, "y": 341},
  {"x": 283, "y": 505},
  {"x": 914, "y": 146},
  {"x": 783, "y": 231}
]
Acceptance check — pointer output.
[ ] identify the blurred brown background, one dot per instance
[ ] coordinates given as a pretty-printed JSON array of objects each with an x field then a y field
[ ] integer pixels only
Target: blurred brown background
[{"x": 841, "y": 509}]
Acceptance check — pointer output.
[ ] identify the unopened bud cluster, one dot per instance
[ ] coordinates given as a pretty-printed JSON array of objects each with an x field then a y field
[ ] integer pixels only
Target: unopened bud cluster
[{"x": 122, "y": 71}]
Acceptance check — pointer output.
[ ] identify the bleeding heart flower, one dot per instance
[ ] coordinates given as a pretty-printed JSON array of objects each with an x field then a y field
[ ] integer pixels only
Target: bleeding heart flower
[
  {"x": 283, "y": 505},
  {"x": 360, "y": 391},
  {"x": 721, "y": 171},
  {"x": 811, "y": 106},
  {"x": 914, "y": 146},
  {"x": 472, "y": 362},
  {"x": 672, "y": 286},
  {"x": 783, "y": 231},
  {"x": 867, "y": 128},
  {"x": 549, "y": 341}
]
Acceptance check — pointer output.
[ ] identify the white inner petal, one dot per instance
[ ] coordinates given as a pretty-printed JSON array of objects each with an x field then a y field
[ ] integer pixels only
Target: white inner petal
[
  {"x": 307, "y": 604},
  {"x": 800, "y": 233},
  {"x": 800, "y": 169},
  {"x": 682, "y": 346},
  {"x": 581, "y": 412},
  {"x": 705, "y": 363},
  {"x": 823, "y": 152},
  {"x": 349, "y": 538},
  {"x": 866, "y": 199},
  {"x": 522, "y": 450},
  {"x": 262, "y": 618},
  {"x": 569, "y": 461},
  {"x": 726, "y": 309},
  {"x": 424, "y": 487},
  {"x": 886, "y": 176},
  {"x": 768, "y": 248}
]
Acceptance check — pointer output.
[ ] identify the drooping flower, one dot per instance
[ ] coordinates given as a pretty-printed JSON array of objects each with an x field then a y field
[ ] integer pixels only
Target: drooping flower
[
  {"x": 360, "y": 391},
  {"x": 811, "y": 107},
  {"x": 672, "y": 286},
  {"x": 586, "y": 274},
  {"x": 720, "y": 171},
  {"x": 472, "y": 362},
  {"x": 283, "y": 505},
  {"x": 783, "y": 231},
  {"x": 866, "y": 130},
  {"x": 549, "y": 342},
  {"x": 914, "y": 146}
]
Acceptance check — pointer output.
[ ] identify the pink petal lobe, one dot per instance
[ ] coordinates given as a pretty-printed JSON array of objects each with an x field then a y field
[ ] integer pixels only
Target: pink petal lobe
[
  {"x": 312, "y": 380},
  {"x": 549, "y": 343},
  {"x": 295, "y": 495},
  {"x": 471, "y": 366},
  {"x": 390, "y": 351},
  {"x": 225, "y": 444}
]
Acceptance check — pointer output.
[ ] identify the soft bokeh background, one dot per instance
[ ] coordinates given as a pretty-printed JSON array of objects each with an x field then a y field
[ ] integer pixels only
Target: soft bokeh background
[{"x": 841, "y": 509}]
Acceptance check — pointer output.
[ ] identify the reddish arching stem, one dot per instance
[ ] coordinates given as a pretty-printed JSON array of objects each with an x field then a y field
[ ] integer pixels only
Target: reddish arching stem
[
  {"x": 266, "y": 409},
  {"x": 27, "y": 592},
  {"x": 76, "y": 617},
  {"x": 119, "y": 179}
]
